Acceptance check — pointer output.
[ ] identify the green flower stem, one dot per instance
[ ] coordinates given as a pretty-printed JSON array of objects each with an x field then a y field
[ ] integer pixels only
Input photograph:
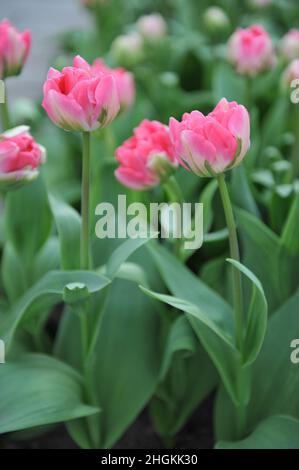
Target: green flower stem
[
  {"x": 249, "y": 93},
  {"x": 85, "y": 252},
  {"x": 110, "y": 142},
  {"x": 173, "y": 190},
  {"x": 238, "y": 299},
  {"x": 5, "y": 118},
  {"x": 234, "y": 253},
  {"x": 174, "y": 194}
]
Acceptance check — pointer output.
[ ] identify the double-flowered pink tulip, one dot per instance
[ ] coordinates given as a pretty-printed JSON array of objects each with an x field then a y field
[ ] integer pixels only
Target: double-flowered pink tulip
[
  {"x": 14, "y": 49},
  {"x": 124, "y": 80},
  {"x": 251, "y": 50},
  {"x": 20, "y": 157},
  {"x": 290, "y": 45},
  {"x": 147, "y": 157},
  {"x": 209, "y": 145},
  {"x": 79, "y": 98}
]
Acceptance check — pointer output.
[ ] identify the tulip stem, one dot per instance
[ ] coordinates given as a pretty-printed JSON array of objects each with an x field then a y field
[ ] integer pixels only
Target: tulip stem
[
  {"x": 5, "y": 119},
  {"x": 174, "y": 195},
  {"x": 238, "y": 297},
  {"x": 85, "y": 252},
  {"x": 234, "y": 253},
  {"x": 173, "y": 190},
  {"x": 249, "y": 93}
]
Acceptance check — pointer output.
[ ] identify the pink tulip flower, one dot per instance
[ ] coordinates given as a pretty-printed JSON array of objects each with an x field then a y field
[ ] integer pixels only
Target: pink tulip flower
[
  {"x": 14, "y": 49},
  {"x": 209, "y": 145},
  {"x": 290, "y": 45},
  {"x": 251, "y": 50},
  {"x": 124, "y": 80},
  {"x": 78, "y": 99},
  {"x": 147, "y": 157},
  {"x": 20, "y": 157}
]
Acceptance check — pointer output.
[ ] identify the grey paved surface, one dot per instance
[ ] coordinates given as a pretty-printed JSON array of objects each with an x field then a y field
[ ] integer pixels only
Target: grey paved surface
[{"x": 45, "y": 19}]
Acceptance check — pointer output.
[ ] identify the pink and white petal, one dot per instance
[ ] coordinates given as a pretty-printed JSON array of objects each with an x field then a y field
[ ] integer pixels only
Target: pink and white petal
[
  {"x": 198, "y": 150},
  {"x": 65, "y": 112},
  {"x": 107, "y": 100}
]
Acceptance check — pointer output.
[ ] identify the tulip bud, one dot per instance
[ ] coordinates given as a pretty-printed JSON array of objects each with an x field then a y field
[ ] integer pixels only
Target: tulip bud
[
  {"x": 152, "y": 27},
  {"x": 216, "y": 20},
  {"x": 209, "y": 145},
  {"x": 290, "y": 45},
  {"x": 127, "y": 49},
  {"x": 20, "y": 157},
  {"x": 14, "y": 49},
  {"x": 147, "y": 158},
  {"x": 78, "y": 99},
  {"x": 251, "y": 50}
]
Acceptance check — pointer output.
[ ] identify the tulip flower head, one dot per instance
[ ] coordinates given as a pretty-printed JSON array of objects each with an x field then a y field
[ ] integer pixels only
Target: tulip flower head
[
  {"x": 251, "y": 51},
  {"x": 290, "y": 45},
  {"x": 152, "y": 26},
  {"x": 291, "y": 73},
  {"x": 124, "y": 80},
  {"x": 209, "y": 145},
  {"x": 80, "y": 99},
  {"x": 128, "y": 49},
  {"x": 147, "y": 157},
  {"x": 14, "y": 49},
  {"x": 20, "y": 157}
]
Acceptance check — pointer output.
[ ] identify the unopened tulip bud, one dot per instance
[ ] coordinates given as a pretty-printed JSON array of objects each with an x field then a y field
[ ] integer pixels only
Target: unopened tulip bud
[
  {"x": 251, "y": 50},
  {"x": 127, "y": 49},
  {"x": 14, "y": 49},
  {"x": 20, "y": 158},
  {"x": 210, "y": 145},
  {"x": 152, "y": 27},
  {"x": 290, "y": 45},
  {"x": 216, "y": 20}
]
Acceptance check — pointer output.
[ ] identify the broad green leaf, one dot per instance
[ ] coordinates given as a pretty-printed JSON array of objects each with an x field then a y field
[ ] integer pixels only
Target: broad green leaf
[
  {"x": 13, "y": 275},
  {"x": 186, "y": 378},
  {"x": 275, "y": 123},
  {"x": 47, "y": 292},
  {"x": 212, "y": 308},
  {"x": 241, "y": 191},
  {"x": 215, "y": 273},
  {"x": 256, "y": 316},
  {"x": 289, "y": 251},
  {"x": 213, "y": 320},
  {"x": 275, "y": 432},
  {"x": 48, "y": 259},
  {"x": 68, "y": 223},
  {"x": 125, "y": 364},
  {"x": 226, "y": 83},
  {"x": 261, "y": 254},
  {"x": 38, "y": 390},
  {"x": 275, "y": 378},
  {"x": 123, "y": 252},
  {"x": 28, "y": 220}
]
